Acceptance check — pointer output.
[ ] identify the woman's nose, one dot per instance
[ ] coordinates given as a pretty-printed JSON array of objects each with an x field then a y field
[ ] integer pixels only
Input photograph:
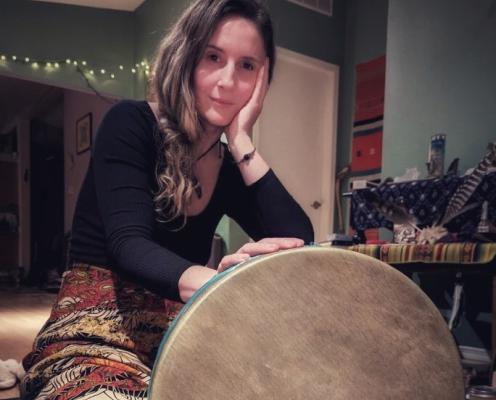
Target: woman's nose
[{"x": 226, "y": 76}]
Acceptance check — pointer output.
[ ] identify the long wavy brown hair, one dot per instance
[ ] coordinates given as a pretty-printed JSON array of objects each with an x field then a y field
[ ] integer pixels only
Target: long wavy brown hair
[{"x": 171, "y": 86}]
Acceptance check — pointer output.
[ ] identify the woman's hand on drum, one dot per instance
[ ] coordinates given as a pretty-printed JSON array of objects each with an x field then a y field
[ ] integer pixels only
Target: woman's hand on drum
[
  {"x": 196, "y": 276},
  {"x": 193, "y": 279},
  {"x": 263, "y": 246}
]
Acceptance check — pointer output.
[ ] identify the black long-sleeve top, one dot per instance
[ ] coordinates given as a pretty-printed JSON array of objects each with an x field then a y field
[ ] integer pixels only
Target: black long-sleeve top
[{"x": 115, "y": 224}]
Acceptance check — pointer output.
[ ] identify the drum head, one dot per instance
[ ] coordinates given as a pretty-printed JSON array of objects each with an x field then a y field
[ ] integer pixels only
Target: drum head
[{"x": 312, "y": 323}]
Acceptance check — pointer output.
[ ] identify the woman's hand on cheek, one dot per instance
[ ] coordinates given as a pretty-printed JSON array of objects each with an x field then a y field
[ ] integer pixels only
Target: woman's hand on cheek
[
  {"x": 264, "y": 246},
  {"x": 243, "y": 122}
]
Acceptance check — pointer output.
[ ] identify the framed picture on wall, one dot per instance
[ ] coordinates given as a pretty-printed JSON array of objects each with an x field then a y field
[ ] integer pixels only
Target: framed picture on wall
[{"x": 83, "y": 133}]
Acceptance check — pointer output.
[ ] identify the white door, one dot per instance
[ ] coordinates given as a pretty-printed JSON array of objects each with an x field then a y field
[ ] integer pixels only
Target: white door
[{"x": 296, "y": 133}]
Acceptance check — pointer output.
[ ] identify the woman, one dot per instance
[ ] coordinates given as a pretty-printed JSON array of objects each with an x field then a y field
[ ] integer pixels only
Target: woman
[{"x": 158, "y": 183}]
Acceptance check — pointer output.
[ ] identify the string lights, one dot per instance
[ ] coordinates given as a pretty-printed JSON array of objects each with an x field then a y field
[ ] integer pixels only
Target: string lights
[
  {"x": 84, "y": 67},
  {"x": 90, "y": 73}
]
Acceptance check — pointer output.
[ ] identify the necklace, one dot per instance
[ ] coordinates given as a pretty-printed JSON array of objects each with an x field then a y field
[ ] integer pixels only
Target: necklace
[{"x": 194, "y": 180}]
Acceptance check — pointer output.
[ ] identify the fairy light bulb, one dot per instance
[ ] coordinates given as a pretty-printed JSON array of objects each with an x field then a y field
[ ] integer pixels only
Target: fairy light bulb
[
  {"x": 112, "y": 76},
  {"x": 14, "y": 58},
  {"x": 121, "y": 67},
  {"x": 133, "y": 70},
  {"x": 92, "y": 72},
  {"x": 75, "y": 63},
  {"x": 26, "y": 59},
  {"x": 83, "y": 62},
  {"x": 68, "y": 61}
]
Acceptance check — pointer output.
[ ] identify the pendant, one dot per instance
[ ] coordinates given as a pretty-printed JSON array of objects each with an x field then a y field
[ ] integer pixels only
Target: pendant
[
  {"x": 198, "y": 191},
  {"x": 197, "y": 187}
]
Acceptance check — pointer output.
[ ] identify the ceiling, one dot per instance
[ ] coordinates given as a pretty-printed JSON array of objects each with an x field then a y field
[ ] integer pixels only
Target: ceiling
[{"x": 124, "y": 5}]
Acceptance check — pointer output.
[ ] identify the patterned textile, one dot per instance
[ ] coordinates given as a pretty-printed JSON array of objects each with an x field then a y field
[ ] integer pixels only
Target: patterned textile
[
  {"x": 426, "y": 200},
  {"x": 100, "y": 340},
  {"x": 449, "y": 253},
  {"x": 366, "y": 152}
]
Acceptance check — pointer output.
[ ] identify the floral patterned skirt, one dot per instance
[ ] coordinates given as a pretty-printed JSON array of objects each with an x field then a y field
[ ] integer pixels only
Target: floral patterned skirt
[{"x": 100, "y": 340}]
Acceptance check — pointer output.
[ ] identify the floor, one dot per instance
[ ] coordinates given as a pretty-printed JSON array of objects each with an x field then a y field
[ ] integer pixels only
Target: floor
[{"x": 23, "y": 311}]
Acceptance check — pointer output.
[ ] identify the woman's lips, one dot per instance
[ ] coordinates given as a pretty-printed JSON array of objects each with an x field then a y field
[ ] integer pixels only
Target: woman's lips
[{"x": 221, "y": 102}]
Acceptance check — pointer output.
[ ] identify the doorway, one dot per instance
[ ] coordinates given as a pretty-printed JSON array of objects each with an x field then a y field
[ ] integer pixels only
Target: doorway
[
  {"x": 47, "y": 203},
  {"x": 296, "y": 133},
  {"x": 35, "y": 112}
]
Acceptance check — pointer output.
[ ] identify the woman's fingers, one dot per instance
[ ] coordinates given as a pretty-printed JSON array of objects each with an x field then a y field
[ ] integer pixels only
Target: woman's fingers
[
  {"x": 284, "y": 243},
  {"x": 256, "y": 248},
  {"x": 270, "y": 245},
  {"x": 247, "y": 116},
  {"x": 260, "y": 90},
  {"x": 263, "y": 246},
  {"x": 230, "y": 260}
]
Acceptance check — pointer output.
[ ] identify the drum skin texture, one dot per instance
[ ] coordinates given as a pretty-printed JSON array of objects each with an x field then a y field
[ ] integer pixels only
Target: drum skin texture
[{"x": 311, "y": 323}]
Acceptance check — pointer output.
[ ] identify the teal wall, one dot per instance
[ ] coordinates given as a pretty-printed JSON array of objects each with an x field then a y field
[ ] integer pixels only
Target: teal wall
[
  {"x": 441, "y": 63},
  {"x": 152, "y": 20},
  {"x": 365, "y": 39},
  {"x": 50, "y": 31},
  {"x": 308, "y": 32}
]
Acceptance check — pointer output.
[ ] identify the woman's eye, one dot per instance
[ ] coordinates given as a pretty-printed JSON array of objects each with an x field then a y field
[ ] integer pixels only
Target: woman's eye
[
  {"x": 213, "y": 57},
  {"x": 248, "y": 66}
]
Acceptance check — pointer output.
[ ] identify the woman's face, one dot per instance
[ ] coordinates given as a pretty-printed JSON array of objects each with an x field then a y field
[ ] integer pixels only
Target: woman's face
[{"x": 225, "y": 76}]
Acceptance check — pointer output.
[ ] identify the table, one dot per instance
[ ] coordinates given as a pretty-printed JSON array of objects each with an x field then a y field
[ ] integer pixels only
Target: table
[
  {"x": 463, "y": 258},
  {"x": 426, "y": 200}
]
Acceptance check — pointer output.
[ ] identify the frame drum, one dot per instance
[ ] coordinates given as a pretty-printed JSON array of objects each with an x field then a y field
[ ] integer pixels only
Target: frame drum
[{"x": 310, "y": 323}]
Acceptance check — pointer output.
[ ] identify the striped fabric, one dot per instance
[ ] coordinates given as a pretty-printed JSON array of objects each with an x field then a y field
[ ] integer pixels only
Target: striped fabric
[{"x": 448, "y": 253}]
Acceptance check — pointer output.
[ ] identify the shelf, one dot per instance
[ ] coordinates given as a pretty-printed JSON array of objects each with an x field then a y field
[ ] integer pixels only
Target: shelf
[{"x": 9, "y": 233}]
